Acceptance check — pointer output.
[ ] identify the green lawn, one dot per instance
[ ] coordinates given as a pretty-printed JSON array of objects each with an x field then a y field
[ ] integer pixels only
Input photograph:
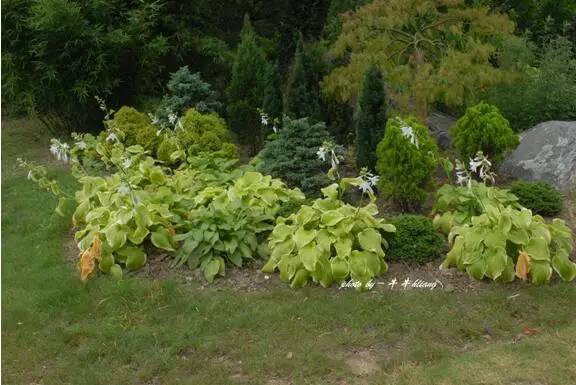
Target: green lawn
[{"x": 57, "y": 330}]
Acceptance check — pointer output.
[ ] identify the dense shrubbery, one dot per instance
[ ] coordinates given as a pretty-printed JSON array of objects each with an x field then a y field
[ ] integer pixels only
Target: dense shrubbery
[
  {"x": 505, "y": 242},
  {"x": 135, "y": 127},
  {"x": 187, "y": 90},
  {"x": 371, "y": 118},
  {"x": 329, "y": 242},
  {"x": 484, "y": 129},
  {"x": 292, "y": 156},
  {"x": 545, "y": 87},
  {"x": 540, "y": 197},
  {"x": 415, "y": 240},
  {"x": 406, "y": 161}
]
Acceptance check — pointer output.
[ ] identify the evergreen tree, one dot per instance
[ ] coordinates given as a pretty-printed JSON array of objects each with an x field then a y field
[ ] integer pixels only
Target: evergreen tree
[
  {"x": 246, "y": 88},
  {"x": 300, "y": 99},
  {"x": 371, "y": 118},
  {"x": 272, "y": 103}
]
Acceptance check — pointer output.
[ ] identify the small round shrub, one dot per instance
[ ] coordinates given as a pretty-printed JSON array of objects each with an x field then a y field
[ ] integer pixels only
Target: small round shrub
[
  {"x": 168, "y": 145},
  {"x": 540, "y": 197},
  {"x": 293, "y": 157},
  {"x": 483, "y": 128},
  {"x": 415, "y": 240},
  {"x": 136, "y": 128},
  {"x": 202, "y": 132},
  {"x": 406, "y": 161}
]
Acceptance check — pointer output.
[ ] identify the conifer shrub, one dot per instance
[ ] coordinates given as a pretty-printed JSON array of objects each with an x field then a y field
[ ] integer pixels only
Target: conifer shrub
[
  {"x": 483, "y": 128},
  {"x": 371, "y": 119},
  {"x": 415, "y": 240},
  {"x": 540, "y": 197},
  {"x": 292, "y": 156},
  {"x": 202, "y": 132},
  {"x": 135, "y": 127},
  {"x": 406, "y": 161}
]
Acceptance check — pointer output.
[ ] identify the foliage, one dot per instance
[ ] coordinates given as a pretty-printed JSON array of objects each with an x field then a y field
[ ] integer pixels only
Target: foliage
[
  {"x": 134, "y": 128},
  {"x": 56, "y": 54},
  {"x": 545, "y": 88},
  {"x": 329, "y": 241},
  {"x": 333, "y": 24},
  {"x": 272, "y": 103},
  {"x": 246, "y": 88},
  {"x": 540, "y": 197},
  {"x": 187, "y": 90},
  {"x": 371, "y": 119},
  {"x": 292, "y": 156},
  {"x": 484, "y": 129},
  {"x": 406, "y": 161},
  {"x": 504, "y": 242},
  {"x": 300, "y": 98},
  {"x": 436, "y": 51},
  {"x": 228, "y": 222},
  {"x": 415, "y": 240},
  {"x": 120, "y": 212},
  {"x": 203, "y": 133},
  {"x": 457, "y": 205}
]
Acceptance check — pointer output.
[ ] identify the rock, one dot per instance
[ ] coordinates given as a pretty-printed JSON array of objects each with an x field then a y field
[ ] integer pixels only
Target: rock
[
  {"x": 547, "y": 152},
  {"x": 440, "y": 125}
]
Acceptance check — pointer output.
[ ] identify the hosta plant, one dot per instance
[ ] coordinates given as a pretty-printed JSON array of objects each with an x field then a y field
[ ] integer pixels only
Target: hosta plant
[
  {"x": 227, "y": 224},
  {"x": 329, "y": 241},
  {"x": 456, "y": 205},
  {"x": 505, "y": 242}
]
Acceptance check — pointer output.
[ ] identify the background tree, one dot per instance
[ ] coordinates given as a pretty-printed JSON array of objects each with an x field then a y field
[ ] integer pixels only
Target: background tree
[
  {"x": 246, "y": 89},
  {"x": 371, "y": 118},
  {"x": 272, "y": 103},
  {"x": 300, "y": 98},
  {"x": 436, "y": 51}
]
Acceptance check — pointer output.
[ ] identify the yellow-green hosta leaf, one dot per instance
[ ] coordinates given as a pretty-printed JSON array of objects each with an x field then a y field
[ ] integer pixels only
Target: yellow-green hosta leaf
[
  {"x": 162, "y": 239},
  {"x": 106, "y": 262},
  {"x": 300, "y": 279},
  {"x": 211, "y": 269},
  {"x": 371, "y": 240},
  {"x": 343, "y": 247},
  {"x": 496, "y": 261},
  {"x": 477, "y": 270},
  {"x": 537, "y": 248},
  {"x": 508, "y": 273},
  {"x": 340, "y": 268},
  {"x": 302, "y": 236},
  {"x": 540, "y": 272},
  {"x": 116, "y": 271},
  {"x": 135, "y": 257},
  {"x": 330, "y": 192},
  {"x": 565, "y": 268},
  {"x": 309, "y": 256},
  {"x": 332, "y": 217},
  {"x": 115, "y": 236}
]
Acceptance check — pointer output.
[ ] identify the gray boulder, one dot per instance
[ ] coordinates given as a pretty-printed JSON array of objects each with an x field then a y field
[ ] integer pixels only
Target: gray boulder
[
  {"x": 547, "y": 152},
  {"x": 440, "y": 125}
]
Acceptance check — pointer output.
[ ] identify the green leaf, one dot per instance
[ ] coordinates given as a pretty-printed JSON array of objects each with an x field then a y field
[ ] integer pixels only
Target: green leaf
[
  {"x": 115, "y": 236},
  {"x": 496, "y": 261},
  {"x": 106, "y": 262},
  {"x": 371, "y": 240},
  {"x": 340, "y": 269},
  {"x": 302, "y": 237},
  {"x": 565, "y": 268},
  {"x": 332, "y": 217},
  {"x": 309, "y": 256},
  {"x": 538, "y": 250},
  {"x": 477, "y": 270},
  {"x": 134, "y": 256},
  {"x": 540, "y": 272},
  {"x": 162, "y": 239},
  {"x": 116, "y": 271},
  {"x": 211, "y": 269},
  {"x": 343, "y": 247},
  {"x": 330, "y": 192},
  {"x": 300, "y": 279}
]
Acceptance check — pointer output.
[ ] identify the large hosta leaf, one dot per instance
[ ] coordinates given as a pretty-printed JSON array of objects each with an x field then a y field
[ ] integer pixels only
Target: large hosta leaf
[{"x": 371, "y": 240}]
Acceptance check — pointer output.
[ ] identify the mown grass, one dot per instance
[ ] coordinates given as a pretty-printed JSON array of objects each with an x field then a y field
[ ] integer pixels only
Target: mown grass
[{"x": 57, "y": 330}]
